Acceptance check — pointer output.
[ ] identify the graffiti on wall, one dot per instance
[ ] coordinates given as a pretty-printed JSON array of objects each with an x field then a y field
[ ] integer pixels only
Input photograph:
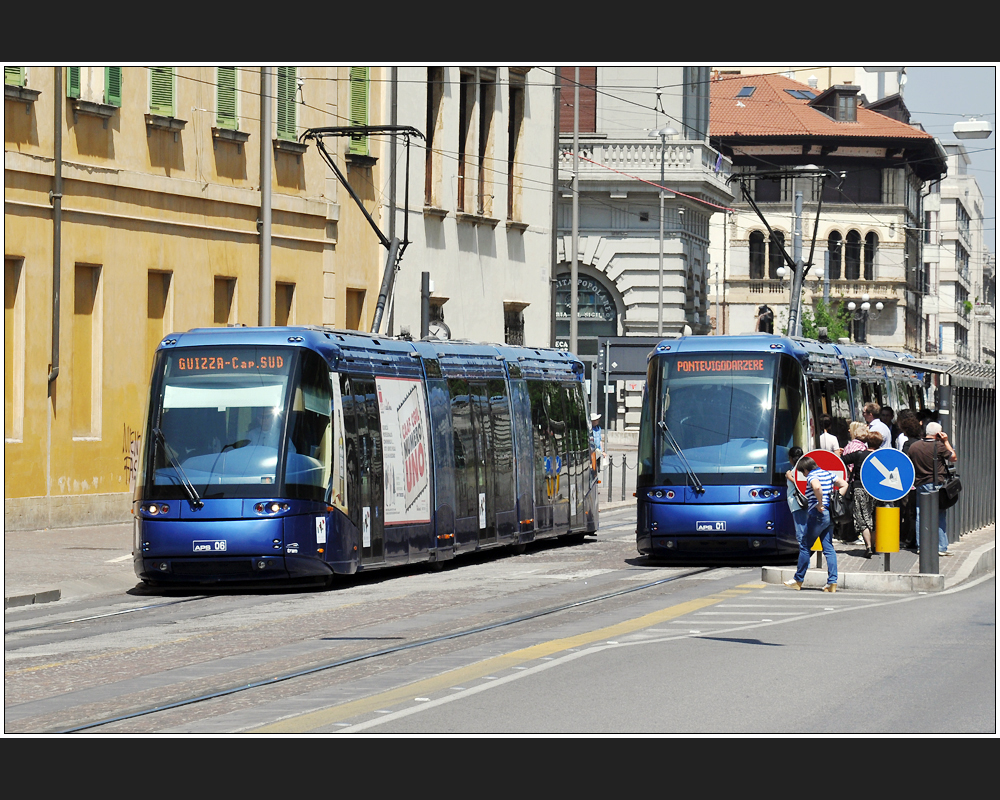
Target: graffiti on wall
[{"x": 131, "y": 440}]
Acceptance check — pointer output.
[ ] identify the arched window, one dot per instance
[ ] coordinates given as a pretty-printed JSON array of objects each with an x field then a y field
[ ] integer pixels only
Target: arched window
[
  {"x": 852, "y": 256},
  {"x": 756, "y": 255},
  {"x": 835, "y": 245},
  {"x": 775, "y": 258},
  {"x": 871, "y": 248}
]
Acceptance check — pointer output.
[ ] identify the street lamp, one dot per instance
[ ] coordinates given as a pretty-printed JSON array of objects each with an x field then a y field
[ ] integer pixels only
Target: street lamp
[
  {"x": 972, "y": 128},
  {"x": 663, "y": 133},
  {"x": 863, "y": 313}
]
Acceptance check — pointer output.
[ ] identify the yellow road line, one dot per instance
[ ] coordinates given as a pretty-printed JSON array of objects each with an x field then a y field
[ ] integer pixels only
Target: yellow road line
[{"x": 305, "y": 723}]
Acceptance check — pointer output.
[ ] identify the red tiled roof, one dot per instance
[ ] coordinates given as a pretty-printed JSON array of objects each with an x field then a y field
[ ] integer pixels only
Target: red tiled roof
[{"x": 771, "y": 111}]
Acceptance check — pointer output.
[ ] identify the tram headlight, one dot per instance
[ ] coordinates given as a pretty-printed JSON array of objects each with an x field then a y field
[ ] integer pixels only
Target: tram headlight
[
  {"x": 153, "y": 509},
  {"x": 270, "y": 507}
]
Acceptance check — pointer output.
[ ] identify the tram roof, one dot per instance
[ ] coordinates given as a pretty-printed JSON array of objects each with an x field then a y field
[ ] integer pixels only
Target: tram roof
[{"x": 334, "y": 343}]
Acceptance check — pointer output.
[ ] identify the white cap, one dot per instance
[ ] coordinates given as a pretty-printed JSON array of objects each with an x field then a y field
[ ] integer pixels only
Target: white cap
[
  {"x": 933, "y": 429},
  {"x": 594, "y": 416}
]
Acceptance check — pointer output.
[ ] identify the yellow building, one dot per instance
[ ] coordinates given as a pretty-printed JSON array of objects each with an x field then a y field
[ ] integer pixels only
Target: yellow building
[{"x": 156, "y": 228}]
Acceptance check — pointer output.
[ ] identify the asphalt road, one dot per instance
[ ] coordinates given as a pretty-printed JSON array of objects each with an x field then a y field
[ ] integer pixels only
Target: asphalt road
[{"x": 564, "y": 638}]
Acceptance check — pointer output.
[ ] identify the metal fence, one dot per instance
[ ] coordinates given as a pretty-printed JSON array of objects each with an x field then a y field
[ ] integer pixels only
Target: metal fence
[{"x": 973, "y": 407}]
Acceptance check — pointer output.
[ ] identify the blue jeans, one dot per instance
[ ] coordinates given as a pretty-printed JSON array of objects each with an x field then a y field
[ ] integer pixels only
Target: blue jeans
[
  {"x": 818, "y": 526},
  {"x": 924, "y": 488},
  {"x": 799, "y": 518}
]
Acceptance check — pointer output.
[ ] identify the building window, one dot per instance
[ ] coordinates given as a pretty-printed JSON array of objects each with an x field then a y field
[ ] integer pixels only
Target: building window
[
  {"x": 359, "y": 109},
  {"x": 757, "y": 251},
  {"x": 96, "y": 84},
  {"x": 158, "y": 316},
  {"x": 513, "y": 323},
  {"x": 767, "y": 190},
  {"x": 284, "y": 304},
  {"x": 696, "y": 102},
  {"x": 226, "y": 111},
  {"x": 287, "y": 83},
  {"x": 14, "y": 76},
  {"x": 13, "y": 349},
  {"x": 484, "y": 178},
  {"x": 852, "y": 256},
  {"x": 847, "y": 108},
  {"x": 834, "y": 244},
  {"x": 588, "y": 99},
  {"x": 776, "y": 258},
  {"x": 466, "y": 106},
  {"x": 355, "y": 309},
  {"x": 161, "y": 91},
  {"x": 225, "y": 301},
  {"x": 432, "y": 163},
  {"x": 515, "y": 156},
  {"x": 871, "y": 250},
  {"x": 86, "y": 353}
]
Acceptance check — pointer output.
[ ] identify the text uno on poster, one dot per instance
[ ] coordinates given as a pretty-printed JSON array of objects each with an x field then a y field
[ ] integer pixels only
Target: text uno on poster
[{"x": 405, "y": 450}]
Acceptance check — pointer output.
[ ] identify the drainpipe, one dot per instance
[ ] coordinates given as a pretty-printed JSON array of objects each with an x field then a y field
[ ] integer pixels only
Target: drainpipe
[
  {"x": 55, "y": 197},
  {"x": 264, "y": 282}
]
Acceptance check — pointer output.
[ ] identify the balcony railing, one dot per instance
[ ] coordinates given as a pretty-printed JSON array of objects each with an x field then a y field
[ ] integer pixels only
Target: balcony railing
[{"x": 682, "y": 160}]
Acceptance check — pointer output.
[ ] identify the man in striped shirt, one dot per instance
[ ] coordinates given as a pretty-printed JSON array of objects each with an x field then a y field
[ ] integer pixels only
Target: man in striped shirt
[{"x": 822, "y": 484}]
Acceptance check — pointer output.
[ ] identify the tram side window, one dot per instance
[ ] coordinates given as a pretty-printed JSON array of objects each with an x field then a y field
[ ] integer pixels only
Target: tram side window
[
  {"x": 503, "y": 444},
  {"x": 837, "y": 403},
  {"x": 466, "y": 499},
  {"x": 308, "y": 459},
  {"x": 351, "y": 448},
  {"x": 542, "y": 432},
  {"x": 790, "y": 427}
]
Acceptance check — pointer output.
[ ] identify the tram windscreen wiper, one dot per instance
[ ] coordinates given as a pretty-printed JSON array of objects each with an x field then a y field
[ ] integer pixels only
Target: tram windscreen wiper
[
  {"x": 195, "y": 500},
  {"x": 680, "y": 454}
]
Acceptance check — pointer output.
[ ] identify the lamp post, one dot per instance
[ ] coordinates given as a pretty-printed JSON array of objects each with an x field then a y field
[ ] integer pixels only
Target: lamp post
[
  {"x": 663, "y": 133},
  {"x": 862, "y": 314}
]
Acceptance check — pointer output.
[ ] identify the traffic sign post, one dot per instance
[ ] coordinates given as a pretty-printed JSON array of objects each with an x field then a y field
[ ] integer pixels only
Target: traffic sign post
[{"x": 887, "y": 475}]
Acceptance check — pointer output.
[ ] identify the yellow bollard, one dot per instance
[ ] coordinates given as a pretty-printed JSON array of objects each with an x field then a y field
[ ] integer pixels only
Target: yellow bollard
[
  {"x": 886, "y": 529},
  {"x": 817, "y": 545}
]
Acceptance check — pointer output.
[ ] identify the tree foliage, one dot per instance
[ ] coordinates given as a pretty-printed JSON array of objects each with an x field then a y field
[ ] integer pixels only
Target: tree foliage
[{"x": 835, "y": 318}]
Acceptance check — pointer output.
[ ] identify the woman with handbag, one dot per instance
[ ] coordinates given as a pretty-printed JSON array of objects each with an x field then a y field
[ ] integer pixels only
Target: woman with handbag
[
  {"x": 930, "y": 457},
  {"x": 797, "y": 502},
  {"x": 863, "y": 504},
  {"x": 821, "y": 486}
]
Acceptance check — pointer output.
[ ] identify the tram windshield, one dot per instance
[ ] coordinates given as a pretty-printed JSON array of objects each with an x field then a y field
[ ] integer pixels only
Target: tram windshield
[
  {"x": 727, "y": 417},
  {"x": 243, "y": 422}
]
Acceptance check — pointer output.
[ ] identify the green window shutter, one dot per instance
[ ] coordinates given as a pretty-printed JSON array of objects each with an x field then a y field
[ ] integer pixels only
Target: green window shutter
[
  {"x": 13, "y": 76},
  {"x": 73, "y": 82},
  {"x": 113, "y": 86},
  {"x": 161, "y": 91},
  {"x": 359, "y": 108},
  {"x": 286, "y": 103},
  {"x": 225, "y": 98}
]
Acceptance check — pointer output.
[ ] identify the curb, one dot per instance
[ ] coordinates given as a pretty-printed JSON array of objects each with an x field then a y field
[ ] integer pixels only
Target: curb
[{"x": 17, "y": 601}]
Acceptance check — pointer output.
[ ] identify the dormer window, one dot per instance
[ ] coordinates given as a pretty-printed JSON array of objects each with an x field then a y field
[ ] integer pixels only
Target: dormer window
[
  {"x": 746, "y": 91},
  {"x": 847, "y": 108},
  {"x": 838, "y": 102}
]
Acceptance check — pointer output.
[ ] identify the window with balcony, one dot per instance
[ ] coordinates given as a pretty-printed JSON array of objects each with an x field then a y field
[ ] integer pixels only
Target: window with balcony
[{"x": 835, "y": 246}]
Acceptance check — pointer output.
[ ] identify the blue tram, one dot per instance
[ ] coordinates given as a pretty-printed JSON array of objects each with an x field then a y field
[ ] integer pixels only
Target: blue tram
[
  {"x": 719, "y": 416},
  {"x": 300, "y": 453}
]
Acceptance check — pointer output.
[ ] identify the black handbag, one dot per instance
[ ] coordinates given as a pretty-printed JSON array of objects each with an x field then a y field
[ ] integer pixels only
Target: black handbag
[
  {"x": 838, "y": 507},
  {"x": 949, "y": 490}
]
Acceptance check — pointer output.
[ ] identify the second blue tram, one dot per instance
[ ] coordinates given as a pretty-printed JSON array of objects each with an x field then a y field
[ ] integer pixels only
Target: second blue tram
[
  {"x": 277, "y": 453},
  {"x": 719, "y": 416}
]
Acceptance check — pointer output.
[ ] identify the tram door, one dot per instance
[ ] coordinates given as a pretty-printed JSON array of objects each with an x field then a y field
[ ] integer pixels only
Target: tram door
[
  {"x": 475, "y": 479},
  {"x": 370, "y": 487}
]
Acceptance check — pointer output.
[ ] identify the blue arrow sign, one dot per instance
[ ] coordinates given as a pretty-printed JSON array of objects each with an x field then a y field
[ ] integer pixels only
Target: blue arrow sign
[{"x": 887, "y": 475}]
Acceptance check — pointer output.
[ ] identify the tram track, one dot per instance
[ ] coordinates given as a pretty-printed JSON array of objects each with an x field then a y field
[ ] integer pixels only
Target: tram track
[{"x": 194, "y": 699}]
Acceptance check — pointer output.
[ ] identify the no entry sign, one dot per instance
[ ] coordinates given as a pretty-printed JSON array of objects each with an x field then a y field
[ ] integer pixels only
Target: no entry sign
[{"x": 824, "y": 460}]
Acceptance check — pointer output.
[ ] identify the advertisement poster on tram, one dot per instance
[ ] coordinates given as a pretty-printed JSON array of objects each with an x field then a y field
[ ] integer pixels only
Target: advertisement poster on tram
[{"x": 405, "y": 450}]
